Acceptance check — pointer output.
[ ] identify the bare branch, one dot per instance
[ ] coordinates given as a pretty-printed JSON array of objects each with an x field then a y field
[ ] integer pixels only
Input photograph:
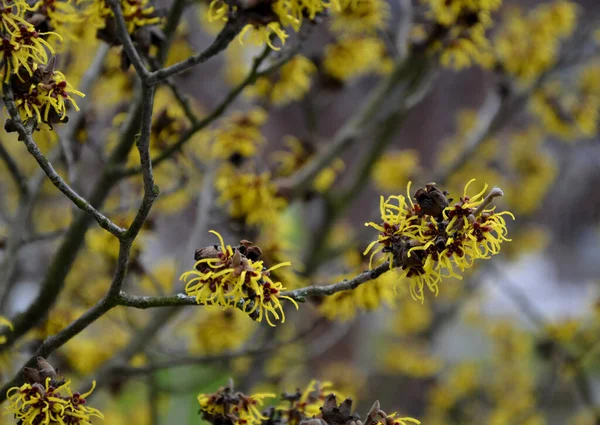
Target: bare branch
[
  {"x": 232, "y": 28},
  {"x": 53, "y": 343},
  {"x": 409, "y": 74},
  {"x": 143, "y": 146},
  {"x": 144, "y": 302},
  {"x": 130, "y": 49},
  {"x": 80, "y": 202},
  {"x": 204, "y": 122},
  {"x": 125, "y": 370}
]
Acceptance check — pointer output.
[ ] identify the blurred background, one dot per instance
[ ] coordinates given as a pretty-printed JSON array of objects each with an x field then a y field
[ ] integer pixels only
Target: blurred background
[{"x": 515, "y": 342}]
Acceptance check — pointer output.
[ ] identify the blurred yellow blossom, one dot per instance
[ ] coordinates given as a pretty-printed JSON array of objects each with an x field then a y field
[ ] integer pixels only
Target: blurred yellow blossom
[{"x": 394, "y": 169}]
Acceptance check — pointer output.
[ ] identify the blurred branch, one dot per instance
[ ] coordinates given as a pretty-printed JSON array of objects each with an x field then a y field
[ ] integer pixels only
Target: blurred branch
[
  {"x": 66, "y": 135},
  {"x": 125, "y": 370},
  {"x": 412, "y": 72},
  {"x": 14, "y": 171},
  {"x": 170, "y": 28}
]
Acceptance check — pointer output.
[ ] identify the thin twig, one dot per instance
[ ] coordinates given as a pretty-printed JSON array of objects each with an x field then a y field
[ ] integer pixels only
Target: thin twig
[
  {"x": 79, "y": 201},
  {"x": 232, "y": 28},
  {"x": 204, "y": 122},
  {"x": 144, "y": 302},
  {"x": 128, "y": 45}
]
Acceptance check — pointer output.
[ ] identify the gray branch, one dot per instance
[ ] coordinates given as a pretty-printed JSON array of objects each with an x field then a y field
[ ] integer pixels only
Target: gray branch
[{"x": 25, "y": 136}]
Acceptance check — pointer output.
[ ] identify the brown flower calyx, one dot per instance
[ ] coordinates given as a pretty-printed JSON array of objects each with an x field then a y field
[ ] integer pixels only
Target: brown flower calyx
[
  {"x": 431, "y": 200},
  {"x": 338, "y": 415},
  {"x": 43, "y": 371},
  {"x": 245, "y": 252}
]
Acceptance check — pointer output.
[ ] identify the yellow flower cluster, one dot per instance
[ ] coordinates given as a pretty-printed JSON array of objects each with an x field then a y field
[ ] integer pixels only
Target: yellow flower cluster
[
  {"x": 394, "y": 169},
  {"x": 309, "y": 403},
  {"x": 355, "y": 56},
  {"x": 58, "y": 15},
  {"x": 301, "y": 152},
  {"x": 431, "y": 239},
  {"x": 534, "y": 169},
  {"x": 137, "y": 14},
  {"x": 361, "y": 17},
  {"x": 292, "y": 83},
  {"x": 250, "y": 197},
  {"x": 464, "y": 22},
  {"x": 528, "y": 44},
  {"x": 22, "y": 45},
  {"x": 358, "y": 49},
  {"x": 49, "y": 405},
  {"x": 239, "y": 137},
  {"x": 47, "y": 100},
  {"x": 225, "y": 276},
  {"x": 39, "y": 90},
  {"x": 344, "y": 306},
  {"x": 570, "y": 113},
  {"x": 272, "y": 20},
  {"x": 229, "y": 406}
]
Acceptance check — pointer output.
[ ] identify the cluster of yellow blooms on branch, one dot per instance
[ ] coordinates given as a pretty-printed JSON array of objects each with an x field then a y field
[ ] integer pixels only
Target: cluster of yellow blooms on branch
[
  {"x": 40, "y": 91},
  {"x": 432, "y": 239},
  {"x": 236, "y": 277},
  {"x": 317, "y": 405},
  {"x": 47, "y": 400}
]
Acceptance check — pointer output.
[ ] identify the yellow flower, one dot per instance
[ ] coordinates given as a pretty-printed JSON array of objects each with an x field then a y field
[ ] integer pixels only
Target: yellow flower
[
  {"x": 393, "y": 170},
  {"x": 291, "y": 85},
  {"x": 225, "y": 404},
  {"x": 466, "y": 22},
  {"x": 248, "y": 196},
  {"x": 6, "y": 323},
  {"x": 217, "y": 331},
  {"x": 310, "y": 402},
  {"x": 528, "y": 44},
  {"x": 396, "y": 419},
  {"x": 47, "y": 100},
  {"x": 137, "y": 14},
  {"x": 228, "y": 278},
  {"x": 48, "y": 405},
  {"x": 361, "y": 16},
  {"x": 353, "y": 57},
  {"x": 240, "y": 136},
  {"x": 273, "y": 20},
  {"x": 429, "y": 240}
]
